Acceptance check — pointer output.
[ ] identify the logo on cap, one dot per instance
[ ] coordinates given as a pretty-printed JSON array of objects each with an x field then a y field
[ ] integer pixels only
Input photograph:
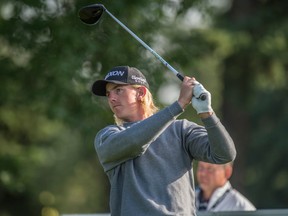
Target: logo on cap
[
  {"x": 114, "y": 73},
  {"x": 139, "y": 79},
  {"x": 119, "y": 75}
]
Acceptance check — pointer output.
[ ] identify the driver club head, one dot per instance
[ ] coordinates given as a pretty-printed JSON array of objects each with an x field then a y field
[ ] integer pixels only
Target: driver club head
[{"x": 91, "y": 14}]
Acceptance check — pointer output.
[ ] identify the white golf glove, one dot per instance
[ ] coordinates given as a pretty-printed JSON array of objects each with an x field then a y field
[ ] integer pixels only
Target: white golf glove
[{"x": 201, "y": 100}]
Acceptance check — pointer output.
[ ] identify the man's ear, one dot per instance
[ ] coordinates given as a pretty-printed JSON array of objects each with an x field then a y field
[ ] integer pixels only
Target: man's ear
[
  {"x": 141, "y": 92},
  {"x": 228, "y": 171}
]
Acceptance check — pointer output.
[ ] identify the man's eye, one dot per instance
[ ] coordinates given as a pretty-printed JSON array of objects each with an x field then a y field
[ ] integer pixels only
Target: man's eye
[{"x": 118, "y": 90}]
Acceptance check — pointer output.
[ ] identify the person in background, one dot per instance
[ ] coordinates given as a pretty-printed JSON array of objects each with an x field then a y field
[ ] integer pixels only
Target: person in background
[
  {"x": 148, "y": 154},
  {"x": 215, "y": 192}
]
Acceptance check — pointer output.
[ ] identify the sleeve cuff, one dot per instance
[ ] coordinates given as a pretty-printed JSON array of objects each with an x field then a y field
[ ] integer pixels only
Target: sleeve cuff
[
  {"x": 175, "y": 109},
  {"x": 211, "y": 121}
]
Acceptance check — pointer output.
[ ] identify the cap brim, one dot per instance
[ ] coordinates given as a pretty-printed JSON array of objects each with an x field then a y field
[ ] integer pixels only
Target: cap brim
[{"x": 99, "y": 86}]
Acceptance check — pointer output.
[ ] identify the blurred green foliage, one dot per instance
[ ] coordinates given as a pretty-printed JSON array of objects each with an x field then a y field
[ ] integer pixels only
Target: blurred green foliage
[{"x": 49, "y": 118}]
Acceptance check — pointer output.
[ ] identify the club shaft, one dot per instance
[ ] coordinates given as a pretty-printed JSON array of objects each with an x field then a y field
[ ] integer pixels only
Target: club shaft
[{"x": 180, "y": 76}]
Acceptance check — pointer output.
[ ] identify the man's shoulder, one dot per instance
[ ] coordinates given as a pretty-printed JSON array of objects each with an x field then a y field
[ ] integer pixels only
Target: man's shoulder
[
  {"x": 241, "y": 200},
  {"x": 108, "y": 128}
]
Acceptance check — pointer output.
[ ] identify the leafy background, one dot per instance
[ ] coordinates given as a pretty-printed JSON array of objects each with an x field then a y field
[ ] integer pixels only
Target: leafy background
[{"x": 49, "y": 118}]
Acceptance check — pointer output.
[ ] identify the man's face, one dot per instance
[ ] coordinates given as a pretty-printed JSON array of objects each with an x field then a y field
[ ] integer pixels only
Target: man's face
[
  {"x": 211, "y": 176},
  {"x": 123, "y": 101}
]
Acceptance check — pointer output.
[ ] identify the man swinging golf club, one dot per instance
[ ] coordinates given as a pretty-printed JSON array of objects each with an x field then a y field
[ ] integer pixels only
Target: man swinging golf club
[{"x": 148, "y": 154}]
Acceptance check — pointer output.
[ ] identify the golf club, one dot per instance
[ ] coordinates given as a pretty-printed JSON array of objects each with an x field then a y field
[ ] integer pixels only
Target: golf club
[{"x": 91, "y": 14}]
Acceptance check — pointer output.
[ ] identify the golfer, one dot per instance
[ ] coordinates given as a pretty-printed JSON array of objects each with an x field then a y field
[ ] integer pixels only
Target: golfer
[{"x": 148, "y": 154}]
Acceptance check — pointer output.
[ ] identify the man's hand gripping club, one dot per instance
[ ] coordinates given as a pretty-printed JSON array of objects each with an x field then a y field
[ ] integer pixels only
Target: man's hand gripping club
[{"x": 192, "y": 91}]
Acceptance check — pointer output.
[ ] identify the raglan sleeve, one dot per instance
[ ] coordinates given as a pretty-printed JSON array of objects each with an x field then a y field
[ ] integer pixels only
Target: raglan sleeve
[
  {"x": 117, "y": 144},
  {"x": 211, "y": 143}
]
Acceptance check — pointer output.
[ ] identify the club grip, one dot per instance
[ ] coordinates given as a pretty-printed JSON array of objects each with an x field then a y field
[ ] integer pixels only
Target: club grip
[
  {"x": 203, "y": 97},
  {"x": 181, "y": 77}
]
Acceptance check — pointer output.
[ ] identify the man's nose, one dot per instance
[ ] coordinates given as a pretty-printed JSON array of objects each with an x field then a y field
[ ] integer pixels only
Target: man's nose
[
  {"x": 111, "y": 96},
  {"x": 203, "y": 171}
]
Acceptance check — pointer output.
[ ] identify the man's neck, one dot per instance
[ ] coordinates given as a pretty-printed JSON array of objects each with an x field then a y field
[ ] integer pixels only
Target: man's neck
[{"x": 206, "y": 195}]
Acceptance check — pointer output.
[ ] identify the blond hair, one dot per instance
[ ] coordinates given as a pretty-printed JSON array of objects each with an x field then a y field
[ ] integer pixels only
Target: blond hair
[{"x": 147, "y": 103}]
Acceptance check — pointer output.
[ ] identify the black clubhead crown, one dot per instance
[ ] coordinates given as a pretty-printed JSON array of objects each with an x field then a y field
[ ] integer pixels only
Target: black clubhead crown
[{"x": 91, "y": 14}]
